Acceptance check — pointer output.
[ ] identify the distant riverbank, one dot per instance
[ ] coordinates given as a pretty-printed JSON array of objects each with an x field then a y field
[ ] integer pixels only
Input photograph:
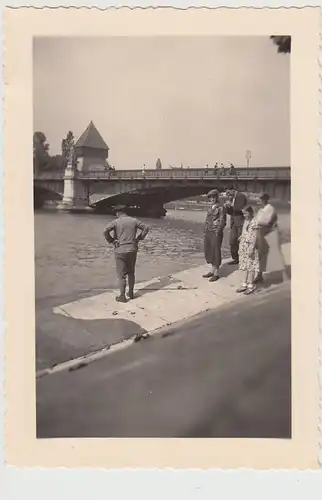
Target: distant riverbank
[
  {"x": 198, "y": 216},
  {"x": 202, "y": 204}
]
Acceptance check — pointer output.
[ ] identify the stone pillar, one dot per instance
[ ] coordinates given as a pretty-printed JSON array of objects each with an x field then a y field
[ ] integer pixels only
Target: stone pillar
[
  {"x": 282, "y": 191},
  {"x": 157, "y": 209},
  {"x": 75, "y": 193},
  {"x": 69, "y": 185}
]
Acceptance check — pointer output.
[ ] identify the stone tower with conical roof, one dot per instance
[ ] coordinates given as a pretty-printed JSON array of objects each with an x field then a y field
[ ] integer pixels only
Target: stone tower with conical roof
[
  {"x": 91, "y": 150},
  {"x": 89, "y": 153}
]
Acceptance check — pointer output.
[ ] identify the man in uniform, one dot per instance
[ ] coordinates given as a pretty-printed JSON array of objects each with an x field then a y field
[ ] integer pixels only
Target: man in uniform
[{"x": 125, "y": 240}]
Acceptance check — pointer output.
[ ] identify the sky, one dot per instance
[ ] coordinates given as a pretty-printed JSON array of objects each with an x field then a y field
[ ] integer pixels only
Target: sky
[{"x": 191, "y": 100}]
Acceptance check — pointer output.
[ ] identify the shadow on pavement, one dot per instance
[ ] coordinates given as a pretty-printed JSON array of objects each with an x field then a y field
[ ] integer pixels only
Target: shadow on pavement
[
  {"x": 276, "y": 277},
  {"x": 60, "y": 339},
  {"x": 226, "y": 270},
  {"x": 161, "y": 284}
]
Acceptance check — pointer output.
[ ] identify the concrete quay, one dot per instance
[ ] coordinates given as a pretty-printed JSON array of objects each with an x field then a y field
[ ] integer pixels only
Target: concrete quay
[
  {"x": 78, "y": 332},
  {"x": 225, "y": 373}
]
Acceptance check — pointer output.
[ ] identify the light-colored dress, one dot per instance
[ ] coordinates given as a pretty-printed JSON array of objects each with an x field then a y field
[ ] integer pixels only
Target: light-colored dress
[
  {"x": 269, "y": 246},
  {"x": 248, "y": 241}
]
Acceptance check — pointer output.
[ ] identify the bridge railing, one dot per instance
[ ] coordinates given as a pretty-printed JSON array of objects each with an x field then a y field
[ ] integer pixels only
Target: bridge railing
[
  {"x": 192, "y": 173},
  {"x": 282, "y": 173},
  {"x": 49, "y": 176}
]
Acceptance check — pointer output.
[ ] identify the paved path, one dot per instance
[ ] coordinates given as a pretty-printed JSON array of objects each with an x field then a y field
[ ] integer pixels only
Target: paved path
[
  {"x": 89, "y": 324},
  {"x": 223, "y": 374}
]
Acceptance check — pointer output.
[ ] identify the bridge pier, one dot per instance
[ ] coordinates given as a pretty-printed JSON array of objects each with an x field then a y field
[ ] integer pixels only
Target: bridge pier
[
  {"x": 152, "y": 207},
  {"x": 75, "y": 195},
  {"x": 157, "y": 209},
  {"x": 283, "y": 192}
]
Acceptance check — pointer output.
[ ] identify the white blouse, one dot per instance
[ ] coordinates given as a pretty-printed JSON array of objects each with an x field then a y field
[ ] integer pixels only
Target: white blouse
[{"x": 266, "y": 215}]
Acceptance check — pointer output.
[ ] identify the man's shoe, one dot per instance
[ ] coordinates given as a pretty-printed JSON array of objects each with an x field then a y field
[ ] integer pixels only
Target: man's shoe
[
  {"x": 131, "y": 295},
  {"x": 208, "y": 275},
  {"x": 214, "y": 278},
  {"x": 121, "y": 298},
  {"x": 233, "y": 263}
]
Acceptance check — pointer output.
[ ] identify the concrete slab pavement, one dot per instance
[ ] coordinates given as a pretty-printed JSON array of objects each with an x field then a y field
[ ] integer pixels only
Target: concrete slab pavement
[
  {"x": 216, "y": 375},
  {"x": 164, "y": 300},
  {"x": 75, "y": 329}
]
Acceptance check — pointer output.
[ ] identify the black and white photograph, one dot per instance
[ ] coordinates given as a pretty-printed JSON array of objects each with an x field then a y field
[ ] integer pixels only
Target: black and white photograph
[{"x": 162, "y": 228}]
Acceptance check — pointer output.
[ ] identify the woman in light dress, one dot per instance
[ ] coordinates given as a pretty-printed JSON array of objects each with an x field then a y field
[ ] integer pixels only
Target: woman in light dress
[
  {"x": 248, "y": 252},
  {"x": 268, "y": 239}
]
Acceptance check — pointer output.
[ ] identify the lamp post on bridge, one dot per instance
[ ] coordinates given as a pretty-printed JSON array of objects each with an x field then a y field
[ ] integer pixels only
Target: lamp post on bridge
[{"x": 248, "y": 157}]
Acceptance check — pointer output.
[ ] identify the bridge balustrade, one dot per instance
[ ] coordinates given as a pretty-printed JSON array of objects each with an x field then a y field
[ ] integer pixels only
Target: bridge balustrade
[
  {"x": 192, "y": 173},
  {"x": 49, "y": 175},
  {"x": 281, "y": 173}
]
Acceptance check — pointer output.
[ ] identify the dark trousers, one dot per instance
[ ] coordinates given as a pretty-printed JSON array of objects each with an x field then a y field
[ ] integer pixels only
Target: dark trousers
[
  {"x": 263, "y": 249},
  {"x": 235, "y": 232},
  {"x": 212, "y": 248},
  {"x": 125, "y": 266}
]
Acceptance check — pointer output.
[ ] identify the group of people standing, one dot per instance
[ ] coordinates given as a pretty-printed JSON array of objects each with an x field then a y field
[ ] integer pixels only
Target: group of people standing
[
  {"x": 248, "y": 245},
  {"x": 248, "y": 231}
]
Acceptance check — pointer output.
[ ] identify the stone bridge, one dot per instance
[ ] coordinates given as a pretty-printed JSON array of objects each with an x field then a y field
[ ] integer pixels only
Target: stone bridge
[{"x": 105, "y": 189}]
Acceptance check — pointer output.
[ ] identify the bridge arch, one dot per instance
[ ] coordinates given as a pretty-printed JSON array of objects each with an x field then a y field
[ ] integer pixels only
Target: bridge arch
[
  {"x": 153, "y": 197},
  {"x": 43, "y": 194}
]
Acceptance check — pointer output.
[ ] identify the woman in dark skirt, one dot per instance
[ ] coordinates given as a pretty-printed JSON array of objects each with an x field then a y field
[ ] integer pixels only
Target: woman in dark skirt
[{"x": 214, "y": 231}]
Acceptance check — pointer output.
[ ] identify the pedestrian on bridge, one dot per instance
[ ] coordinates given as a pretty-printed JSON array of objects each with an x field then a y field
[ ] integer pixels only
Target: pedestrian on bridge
[
  {"x": 232, "y": 170},
  {"x": 235, "y": 203},
  {"x": 214, "y": 231},
  {"x": 125, "y": 240}
]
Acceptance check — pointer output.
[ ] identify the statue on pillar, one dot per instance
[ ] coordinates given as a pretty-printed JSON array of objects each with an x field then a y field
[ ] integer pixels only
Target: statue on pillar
[
  {"x": 75, "y": 195},
  {"x": 71, "y": 160},
  {"x": 71, "y": 151}
]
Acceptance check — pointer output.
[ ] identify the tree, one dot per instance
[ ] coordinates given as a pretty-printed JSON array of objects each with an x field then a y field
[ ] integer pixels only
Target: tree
[
  {"x": 67, "y": 145},
  {"x": 40, "y": 151},
  {"x": 283, "y": 43},
  {"x": 55, "y": 163}
]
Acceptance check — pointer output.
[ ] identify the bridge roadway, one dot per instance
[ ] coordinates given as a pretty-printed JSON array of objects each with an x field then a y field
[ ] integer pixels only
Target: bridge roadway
[{"x": 152, "y": 187}]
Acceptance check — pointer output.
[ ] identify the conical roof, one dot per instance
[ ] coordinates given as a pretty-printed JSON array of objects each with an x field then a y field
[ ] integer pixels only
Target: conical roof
[{"x": 91, "y": 138}]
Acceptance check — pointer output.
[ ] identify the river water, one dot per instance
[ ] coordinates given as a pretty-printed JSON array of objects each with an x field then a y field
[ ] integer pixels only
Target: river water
[{"x": 72, "y": 258}]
